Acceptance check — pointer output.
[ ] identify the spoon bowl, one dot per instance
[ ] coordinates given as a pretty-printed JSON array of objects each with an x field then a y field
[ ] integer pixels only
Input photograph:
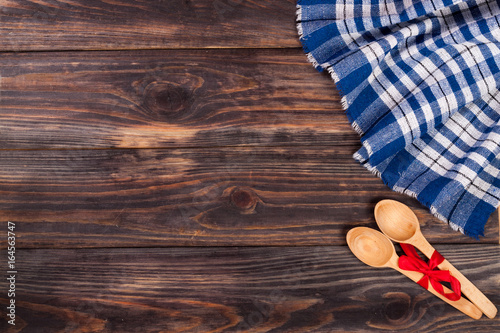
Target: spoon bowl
[
  {"x": 396, "y": 220},
  {"x": 370, "y": 246}
]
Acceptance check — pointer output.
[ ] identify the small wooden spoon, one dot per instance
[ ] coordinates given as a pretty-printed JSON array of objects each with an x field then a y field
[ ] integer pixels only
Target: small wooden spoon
[
  {"x": 398, "y": 222},
  {"x": 376, "y": 250}
]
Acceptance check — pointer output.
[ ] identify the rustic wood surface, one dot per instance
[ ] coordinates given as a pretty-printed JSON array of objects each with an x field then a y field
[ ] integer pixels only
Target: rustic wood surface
[
  {"x": 172, "y": 98},
  {"x": 206, "y": 196},
  {"x": 179, "y": 166},
  {"x": 231, "y": 289},
  {"x": 29, "y": 25}
]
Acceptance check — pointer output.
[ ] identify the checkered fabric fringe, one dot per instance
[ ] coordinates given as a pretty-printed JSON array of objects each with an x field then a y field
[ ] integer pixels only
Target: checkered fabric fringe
[{"x": 420, "y": 83}]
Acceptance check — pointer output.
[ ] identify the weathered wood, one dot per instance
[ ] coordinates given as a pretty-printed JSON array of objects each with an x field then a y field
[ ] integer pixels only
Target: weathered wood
[
  {"x": 320, "y": 289},
  {"x": 259, "y": 153},
  {"x": 135, "y": 24},
  {"x": 223, "y": 196},
  {"x": 145, "y": 99}
]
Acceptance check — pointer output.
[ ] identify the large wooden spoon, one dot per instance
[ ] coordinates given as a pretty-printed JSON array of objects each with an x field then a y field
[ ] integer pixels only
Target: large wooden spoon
[
  {"x": 376, "y": 250},
  {"x": 398, "y": 222}
]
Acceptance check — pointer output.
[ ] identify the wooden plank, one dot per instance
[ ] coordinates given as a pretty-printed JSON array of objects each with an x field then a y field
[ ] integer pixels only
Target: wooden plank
[
  {"x": 29, "y": 25},
  {"x": 167, "y": 99},
  {"x": 320, "y": 289},
  {"x": 220, "y": 196}
]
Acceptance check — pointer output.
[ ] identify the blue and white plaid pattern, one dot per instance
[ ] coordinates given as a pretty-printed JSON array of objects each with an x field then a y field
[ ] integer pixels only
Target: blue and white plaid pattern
[{"x": 420, "y": 83}]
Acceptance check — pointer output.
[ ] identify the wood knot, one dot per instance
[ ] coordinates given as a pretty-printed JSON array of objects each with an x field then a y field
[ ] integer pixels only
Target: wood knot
[
  {"x": 167, "y": 100},
  {"x": 244, "y": 199},
  {"x": 398, "y": 311}
]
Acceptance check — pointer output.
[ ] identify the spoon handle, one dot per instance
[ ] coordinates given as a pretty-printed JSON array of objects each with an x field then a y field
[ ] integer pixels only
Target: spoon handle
[
  {"x": 462, "y": 304},
  {"x": 468, "y": 288}
]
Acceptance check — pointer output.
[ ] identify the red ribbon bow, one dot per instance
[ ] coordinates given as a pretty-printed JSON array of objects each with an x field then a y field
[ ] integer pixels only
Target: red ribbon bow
[{"x": 413, "y": 262}]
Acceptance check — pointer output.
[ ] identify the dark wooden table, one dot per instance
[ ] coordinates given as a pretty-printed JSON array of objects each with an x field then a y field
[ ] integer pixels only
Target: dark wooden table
[{"x": 179, "y": 166}]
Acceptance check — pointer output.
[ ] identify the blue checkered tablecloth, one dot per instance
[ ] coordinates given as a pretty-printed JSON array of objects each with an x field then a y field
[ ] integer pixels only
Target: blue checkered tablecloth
[{"x": 420, "y": 84}]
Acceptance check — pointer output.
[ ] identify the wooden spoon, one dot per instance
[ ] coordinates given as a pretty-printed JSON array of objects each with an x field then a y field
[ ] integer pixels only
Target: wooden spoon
[
  {"x": 398, "y": 222},
  {"x": 376, "y": 250}
]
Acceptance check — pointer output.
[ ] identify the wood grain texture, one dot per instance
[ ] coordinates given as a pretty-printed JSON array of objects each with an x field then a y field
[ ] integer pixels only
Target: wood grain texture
[
  {"x": 219, "y": 196},
  {"x": 314, "y": 289},
  {"x": 29, "y": 25},
  {"x": 149, "y": 99},
  {"x": 131, "y": 128}
]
